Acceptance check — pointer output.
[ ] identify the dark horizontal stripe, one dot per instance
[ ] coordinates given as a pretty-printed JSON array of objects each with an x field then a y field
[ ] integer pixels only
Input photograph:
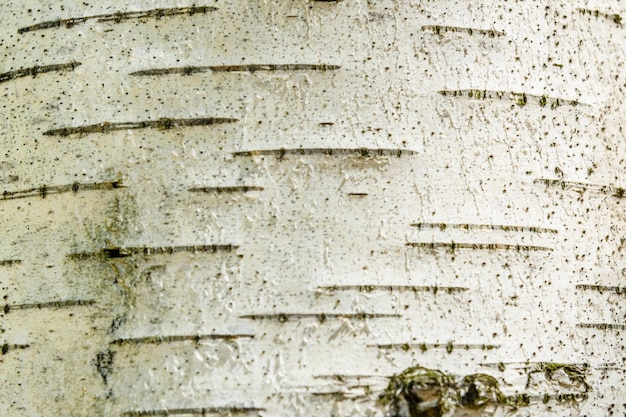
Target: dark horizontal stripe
[
  {"x": 6, "y": 348},
  {"x": 123, "y": 252},
  {"x": 520, "y": 99},
  {"x": 189, "y": 70},
  {"x": 437, "y": 29},
  {"x": 469, "y": 226},
  {"x": 45, "y": 190},
  {"x": 118, "y": 17},
  {"x": 614, "y": 17},
  {"x": 39, "y": 69},
  {"x": 161, "y": 124},
  {"x": 602, "y": 326},
  {"x": 232, "y": 189},
  {"x": 581, "y": 187},
  {"x": 47, "y": 304},
  {"x": 425, "y": 346},
  {"x": 602, "y": 288},
  {"x": 202, "y": 411},
  {"x": 283, "y": 317},
  {"x": 391, "y": 288},
  {"x": 363, "y": 152},
  {"x": 478, "y": 246},
  {"x": 179, "y": 338}
]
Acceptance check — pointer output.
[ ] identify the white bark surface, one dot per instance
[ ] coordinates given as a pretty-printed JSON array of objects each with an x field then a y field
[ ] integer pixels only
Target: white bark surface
[{"x": 273, "y": 207}]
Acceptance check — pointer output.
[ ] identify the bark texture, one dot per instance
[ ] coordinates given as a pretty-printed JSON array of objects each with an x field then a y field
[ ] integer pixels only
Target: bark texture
[{"x": 312, "y": 208}]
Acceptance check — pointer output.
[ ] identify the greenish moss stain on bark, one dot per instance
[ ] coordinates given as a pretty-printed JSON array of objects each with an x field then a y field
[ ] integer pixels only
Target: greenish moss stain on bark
[
  {"x": 119, "y": 223},
  {"x": 423, "y": 392},
  {"x": 111, "y": 280},
  {"x": 575, "y": 373}
]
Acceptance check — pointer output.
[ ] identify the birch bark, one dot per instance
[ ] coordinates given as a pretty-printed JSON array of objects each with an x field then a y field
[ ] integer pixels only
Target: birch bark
[{"x": 295, "y": 208}]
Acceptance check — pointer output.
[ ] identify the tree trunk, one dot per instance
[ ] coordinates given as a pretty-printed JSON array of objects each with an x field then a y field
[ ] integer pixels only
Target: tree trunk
[{"x": 312, "y": 208}]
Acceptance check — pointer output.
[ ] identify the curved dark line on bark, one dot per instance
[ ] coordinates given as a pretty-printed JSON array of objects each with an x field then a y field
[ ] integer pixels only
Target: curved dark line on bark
[
  {"x": 117, "y": 17},
  {"x": 161, "y": 124}
]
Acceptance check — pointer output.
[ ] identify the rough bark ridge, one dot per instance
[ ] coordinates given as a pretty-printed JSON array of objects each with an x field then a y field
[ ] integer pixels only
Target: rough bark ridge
[{"x": 298, "y": 208}]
